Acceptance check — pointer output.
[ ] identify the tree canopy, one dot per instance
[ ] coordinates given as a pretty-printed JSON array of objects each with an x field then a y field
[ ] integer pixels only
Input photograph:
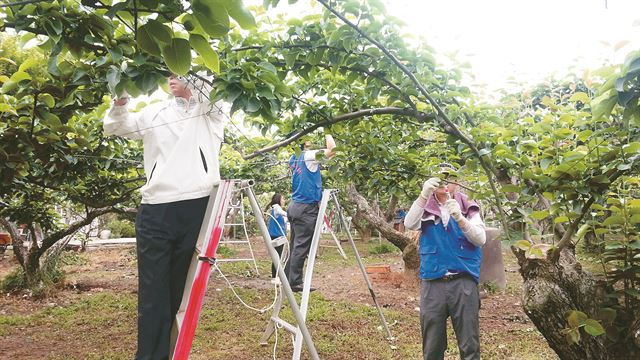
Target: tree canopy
[{"x": 550, "y": 165}]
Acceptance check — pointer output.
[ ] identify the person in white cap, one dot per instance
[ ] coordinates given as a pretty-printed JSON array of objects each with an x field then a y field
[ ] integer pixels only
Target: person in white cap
[
  {"x": 181, "y": 138},
  {"x": 452, "y": 234}
]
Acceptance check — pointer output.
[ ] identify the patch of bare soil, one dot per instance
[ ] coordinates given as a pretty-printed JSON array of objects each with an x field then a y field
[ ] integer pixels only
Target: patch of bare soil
[{"x": 114, "y": 270}]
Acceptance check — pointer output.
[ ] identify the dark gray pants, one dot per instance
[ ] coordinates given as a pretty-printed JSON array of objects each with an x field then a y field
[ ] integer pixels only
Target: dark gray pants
[
  {"x": 166, "y": 238},
  {"x": 459, "y": 299},
  {"x": 303, "y": 221}
]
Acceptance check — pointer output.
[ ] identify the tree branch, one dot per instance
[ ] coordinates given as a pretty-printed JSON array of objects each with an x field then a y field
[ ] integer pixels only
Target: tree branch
[
  {"x": 17, "y": 242},
  {"x": 488, "y": 168},
  {"x": 72, "y": 228},
  {"x": 567, "y": 237},
  {"x": 344, "y": 117}
]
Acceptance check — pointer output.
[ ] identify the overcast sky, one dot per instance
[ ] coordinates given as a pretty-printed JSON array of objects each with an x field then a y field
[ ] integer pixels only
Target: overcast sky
[
  {"x": 517, "y": 41},
  {"x": 524, "y": 40}
]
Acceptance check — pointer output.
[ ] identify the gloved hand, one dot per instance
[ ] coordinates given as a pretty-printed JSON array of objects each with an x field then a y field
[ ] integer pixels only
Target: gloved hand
[
  {"x": 454, "y": 209},
  {"x": 429, "y": 186},
  {"x": 199, "y": 88},
  {"x": 122, "y": 100}
]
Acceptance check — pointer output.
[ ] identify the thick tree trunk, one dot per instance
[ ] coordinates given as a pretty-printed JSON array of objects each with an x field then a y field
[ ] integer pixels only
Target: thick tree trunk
[
  {"x": 551, "y": 290},
  {"x": 403, "y": 241},
  {"x": 29, "y": 258},
  {"x": 390, "y": 212},
  {"x": 361, "y": 225}
]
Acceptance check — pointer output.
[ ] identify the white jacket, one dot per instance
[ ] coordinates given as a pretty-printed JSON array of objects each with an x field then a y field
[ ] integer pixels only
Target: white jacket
[{"x": 181, "y": 145}]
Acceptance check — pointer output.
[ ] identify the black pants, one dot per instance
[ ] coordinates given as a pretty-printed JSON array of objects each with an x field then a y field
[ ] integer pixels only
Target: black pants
[
  {"x": 274, "y": 269},
  {"x": 166, "y": 238},
  {"x": 303, "y": 221}
]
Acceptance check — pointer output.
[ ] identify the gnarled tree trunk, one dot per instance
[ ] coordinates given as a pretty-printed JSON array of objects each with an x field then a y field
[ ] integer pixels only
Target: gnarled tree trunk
[
  {"x": 551, "y": 290},
  {"x": 403, "y": 241},
  {"x": 29, "y": 257}
]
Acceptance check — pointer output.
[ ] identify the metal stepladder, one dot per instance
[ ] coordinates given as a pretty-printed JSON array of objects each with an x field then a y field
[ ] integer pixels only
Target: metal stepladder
[
  {"x": 275, "y": 320},
  {"x": 204, "y": 259},
  {"x": 239, "y": 205},
  {"x": 337, "y": 245}
]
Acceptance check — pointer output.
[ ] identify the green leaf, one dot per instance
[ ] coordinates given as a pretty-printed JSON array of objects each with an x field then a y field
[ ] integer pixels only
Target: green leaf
[
  {"x": 580, "y": 96},
  {"x": 53, "y": 27},
  {"x": 560, "y": 219},
  {"x": 608, "y": 315},
  {"x": 146, "y": 41},
  {"x": 613, "y": 220},
  {"x": 523, "y": 245},
  {"x": 212, "y": 16},
  {"x": 20, "y": 75},
  {"x": 29, "y": 63},
  {"x": 602, "y": 106},
  {"x": 539, "y": 215},
  {"x": 7, "y": 108},
  {"x": 635, "y": 219},
  {"x": 47, "y": 99},
  {"x": 510, "y": 188},
  {"x": 544, "y": 163},
  {"x": 113, "y": 78},
  {"x": 159, "y": 31},
  {"x": 631, "y": 148},
  {"x": 573, "y": 336},
  {"x": 177, "y": 56},
  {"x": 593, "y": 327},
  {"x": 576, "y": 318},
  {"x": 582, "y": 231},
  {"x": 240, "y": 14},
  {"x": 202, "y": 47},
  {"x": 252, "y": 106}
]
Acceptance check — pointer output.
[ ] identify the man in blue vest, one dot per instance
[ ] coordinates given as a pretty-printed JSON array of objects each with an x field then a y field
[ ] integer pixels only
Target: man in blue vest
[
  {"x": 452, "y": 233},
  {"x": 306, "y": 186}
]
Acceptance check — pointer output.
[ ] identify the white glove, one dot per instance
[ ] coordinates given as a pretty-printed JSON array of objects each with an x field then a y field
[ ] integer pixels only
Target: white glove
[
  {"x": 199, "y": 88},
  {"x": 454, "y": 209},
  {"x": 429, "y": 186},
  {"x": 122, "y": 100}
]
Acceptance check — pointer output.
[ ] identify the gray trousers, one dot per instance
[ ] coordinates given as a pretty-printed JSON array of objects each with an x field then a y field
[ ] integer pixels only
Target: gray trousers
[
  {"x": 303, "y": 221},
  {"x": 459, "y": 299}
]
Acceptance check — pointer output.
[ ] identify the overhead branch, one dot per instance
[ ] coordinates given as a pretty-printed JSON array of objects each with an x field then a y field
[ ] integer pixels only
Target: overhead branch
[
  {"x": 350, "y": 116},
  {"x": 489, "y": 169}
]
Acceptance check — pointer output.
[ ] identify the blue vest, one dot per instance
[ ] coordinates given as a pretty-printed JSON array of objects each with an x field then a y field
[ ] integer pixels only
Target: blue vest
[
  {"x": 445, "y": 249},
  {"x": 305, "y": 184},
  {"x": 277, "y": 226}
]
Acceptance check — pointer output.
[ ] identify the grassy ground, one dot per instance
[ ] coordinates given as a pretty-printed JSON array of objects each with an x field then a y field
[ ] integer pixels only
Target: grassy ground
[{"x": 94, "y": 317}]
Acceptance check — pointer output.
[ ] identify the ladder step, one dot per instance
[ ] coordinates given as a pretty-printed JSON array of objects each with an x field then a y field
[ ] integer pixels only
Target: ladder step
[
  {"x": 233, "y": 224},
  {"x": 234, "y": 242},
  {"x": 290, "y": 328}
]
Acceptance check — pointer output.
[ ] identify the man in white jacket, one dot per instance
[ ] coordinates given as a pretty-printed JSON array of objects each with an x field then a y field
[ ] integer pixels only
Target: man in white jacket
[{"x": 182, "y": 138}]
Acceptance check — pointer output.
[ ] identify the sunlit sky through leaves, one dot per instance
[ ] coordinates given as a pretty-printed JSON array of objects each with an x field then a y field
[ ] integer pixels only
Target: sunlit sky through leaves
[{"x": 511, "y": 44}]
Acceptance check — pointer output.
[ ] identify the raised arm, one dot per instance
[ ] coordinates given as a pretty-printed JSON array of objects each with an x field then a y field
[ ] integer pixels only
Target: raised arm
[
  {"x": 120, "y": 122},
  {"x": 330, "y": 145},
  {"x": 413, "y": 219}
]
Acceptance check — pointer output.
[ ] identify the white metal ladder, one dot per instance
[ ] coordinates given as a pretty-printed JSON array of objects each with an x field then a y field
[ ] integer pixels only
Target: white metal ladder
[
  {"x": 275, "y": 320},
  {"x": 226, "y": 241}
]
